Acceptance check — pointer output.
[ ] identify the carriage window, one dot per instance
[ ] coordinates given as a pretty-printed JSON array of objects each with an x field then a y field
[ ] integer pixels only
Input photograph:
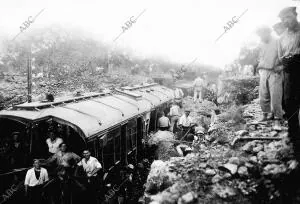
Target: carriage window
[
  {"x": 91, "y": 146},
  {"x": 131, "y": 134},
  {"x": 108, "y": 152},
  {"x": 116, "y": 134},
  {"x": 152, "y": 124}
]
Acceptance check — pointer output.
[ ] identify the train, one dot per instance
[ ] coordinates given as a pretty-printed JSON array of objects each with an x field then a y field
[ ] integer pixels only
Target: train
[{"x": 113, "y": 125}]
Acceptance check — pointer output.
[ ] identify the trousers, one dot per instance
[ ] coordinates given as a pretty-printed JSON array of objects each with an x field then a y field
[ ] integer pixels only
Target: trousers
[
  {"x": 270, "y": 92},
  {"x": 198, "y": 91}
]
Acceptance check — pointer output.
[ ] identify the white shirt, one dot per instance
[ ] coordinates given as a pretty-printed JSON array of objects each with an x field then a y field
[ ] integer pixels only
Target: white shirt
[
  {"x": 185, "y": 121},
  {"x": 268, "y": 54},
  {"x": 90, "y": 165},
  {"x": 163, "y": 122},
  {"x": 53, "y": 145},
  {"x": 175, "y": 110},
  {"x": 31, "y": 180}
]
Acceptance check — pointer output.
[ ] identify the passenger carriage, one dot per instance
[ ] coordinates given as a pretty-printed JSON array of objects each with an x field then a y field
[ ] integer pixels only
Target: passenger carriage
[{"x": 111, "y": 124}]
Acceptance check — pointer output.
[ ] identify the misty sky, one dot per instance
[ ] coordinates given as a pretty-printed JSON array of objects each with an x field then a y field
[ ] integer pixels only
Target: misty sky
[{"x": 179, "y": 30}]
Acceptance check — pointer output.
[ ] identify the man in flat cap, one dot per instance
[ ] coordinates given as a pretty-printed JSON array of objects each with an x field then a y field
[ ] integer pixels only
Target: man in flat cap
[
  {"x": 270, "y": 85},
  {"x": 289, "y": 56}
]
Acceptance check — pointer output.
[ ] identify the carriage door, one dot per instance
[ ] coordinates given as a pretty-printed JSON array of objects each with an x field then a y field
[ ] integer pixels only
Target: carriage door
[
  {"x": 152, "y": 125},
  {"x": 123, "y": 144},
  {"x": 140, "y": 148}
]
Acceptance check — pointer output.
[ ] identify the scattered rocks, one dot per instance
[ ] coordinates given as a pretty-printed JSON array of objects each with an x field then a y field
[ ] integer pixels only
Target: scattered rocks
[{"x": 223, "y": 191}]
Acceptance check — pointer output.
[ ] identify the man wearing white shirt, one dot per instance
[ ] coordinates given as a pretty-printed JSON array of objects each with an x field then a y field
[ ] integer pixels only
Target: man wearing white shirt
[
  {"x": 178, "y": 94},
  {"x": 53, "y": 143},
  {"x": 185, "y": 122},
  {"x": 91, "y": 166},
  {"x": 174, "y": 114},
  {"x": 199, "y": 84},
  {"x": 34, "y": 179}
]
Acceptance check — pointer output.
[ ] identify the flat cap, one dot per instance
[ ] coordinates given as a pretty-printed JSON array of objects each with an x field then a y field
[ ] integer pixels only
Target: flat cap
[{"x": 286, "y": 11}]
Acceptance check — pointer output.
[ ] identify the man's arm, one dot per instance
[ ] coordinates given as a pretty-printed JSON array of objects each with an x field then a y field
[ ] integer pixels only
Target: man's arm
[
  {"x": 98, "y": 167},
  {"x": 46, "y": 175},
  {"x": 26, "y": 182}
]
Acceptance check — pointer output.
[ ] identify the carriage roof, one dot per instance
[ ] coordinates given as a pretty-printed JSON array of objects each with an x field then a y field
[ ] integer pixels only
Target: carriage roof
[{"x": 93, "y": 113}]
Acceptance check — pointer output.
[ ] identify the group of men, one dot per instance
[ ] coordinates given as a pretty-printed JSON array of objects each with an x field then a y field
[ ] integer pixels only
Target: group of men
[
  {"x": 65, "y": 160},
  {"x": 176, "y": 120},
  {"x": 279, "y": 84}
]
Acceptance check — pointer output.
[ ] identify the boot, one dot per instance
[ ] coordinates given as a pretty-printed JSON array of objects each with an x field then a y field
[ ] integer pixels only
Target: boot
[
  {"x": 271, "y": 117},
  {"x": 264, "y": 117},
  {"x": 277, "y": 125}
]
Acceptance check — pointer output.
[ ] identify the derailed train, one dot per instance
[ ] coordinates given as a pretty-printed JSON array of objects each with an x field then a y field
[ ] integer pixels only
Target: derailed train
[{"x": 112, "y": 125}]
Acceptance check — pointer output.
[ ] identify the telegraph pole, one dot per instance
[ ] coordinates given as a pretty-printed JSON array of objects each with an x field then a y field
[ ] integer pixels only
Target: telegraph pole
[{"x": 29, "y": 76}]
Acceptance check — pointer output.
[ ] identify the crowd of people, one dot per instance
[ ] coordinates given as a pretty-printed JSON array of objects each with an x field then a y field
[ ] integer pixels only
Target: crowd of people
[{"x": 279, "y": 57}]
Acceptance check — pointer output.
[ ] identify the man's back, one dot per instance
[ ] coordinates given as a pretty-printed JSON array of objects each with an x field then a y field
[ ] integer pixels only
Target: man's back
[{"x": 163, "y": 122}]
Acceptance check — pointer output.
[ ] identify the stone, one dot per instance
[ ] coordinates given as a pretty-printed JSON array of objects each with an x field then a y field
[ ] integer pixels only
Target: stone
[
  {"x": 202, "y": 165},
  {"x": 210, "y": 172},
  {"x": 223, "y": 191},
  {"x": 258, "y": 148},
  {"x": 293, "y": 164},
  {"x": 241, "y": 133},
  {"x": 273, "y": 133},
  {"x": 187, "y": 198},
  {"x": 274, "y": 169},
  {"x": 232, "y": 168},
  {"x": 234, "y": 160},
  {"x": 243, "y": 171},
  {"x": 216, "y": 178},
  {"x": 253, "y": 159}
]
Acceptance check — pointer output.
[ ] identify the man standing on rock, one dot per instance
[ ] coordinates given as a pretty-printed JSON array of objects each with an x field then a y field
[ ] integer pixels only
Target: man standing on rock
[
  {"x": 289, "y": 55},
  {"x": 270, "y": 86},
  {"x": 198, "y": 85}
]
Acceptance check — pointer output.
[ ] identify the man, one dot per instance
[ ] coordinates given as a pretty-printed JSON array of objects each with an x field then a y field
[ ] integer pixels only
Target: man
[
  {"x": 198, "y": 85},
  {"x": 66, "y": 159},
  {"x": 185, "y": 122},
  {"x": 53, "y": 142},
  {"x": 174, "y": 114},
  {"x": 34, "y": 179},
  {"x": 163, "y": 122},
  {"x": 289, "y": 55},
  {"x": 91, "y": 166},
  {"x": 178, "y": 94},
  {"x": 270, "y": 86}
]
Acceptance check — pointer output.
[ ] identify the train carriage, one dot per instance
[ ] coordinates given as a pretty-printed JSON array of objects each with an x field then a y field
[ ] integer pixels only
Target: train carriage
[{"x": 111, "y": 124}]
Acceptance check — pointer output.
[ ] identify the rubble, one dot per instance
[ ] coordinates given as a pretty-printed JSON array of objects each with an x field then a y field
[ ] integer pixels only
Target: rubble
[{"x": 220, "y": 173}]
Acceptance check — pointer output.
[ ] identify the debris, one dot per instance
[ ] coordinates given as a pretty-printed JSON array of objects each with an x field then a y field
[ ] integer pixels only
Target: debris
[{"x": 232, "y": 168}]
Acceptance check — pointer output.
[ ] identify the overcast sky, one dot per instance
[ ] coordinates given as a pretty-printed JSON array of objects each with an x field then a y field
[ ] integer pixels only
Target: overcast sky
[{"x": 180, "y": 30}]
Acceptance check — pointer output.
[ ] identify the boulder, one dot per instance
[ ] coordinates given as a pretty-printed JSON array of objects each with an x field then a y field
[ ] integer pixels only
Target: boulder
[
  {"x": 243, "y": 171},
  {"x": 232, "y": 168}
]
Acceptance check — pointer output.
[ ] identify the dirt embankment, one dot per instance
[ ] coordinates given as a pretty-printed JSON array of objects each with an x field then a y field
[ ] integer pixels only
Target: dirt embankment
[{"x": 238, "y": 161}]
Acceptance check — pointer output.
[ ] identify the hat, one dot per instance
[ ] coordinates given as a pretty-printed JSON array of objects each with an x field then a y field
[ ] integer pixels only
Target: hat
[{"x": 286, "y": 11}]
